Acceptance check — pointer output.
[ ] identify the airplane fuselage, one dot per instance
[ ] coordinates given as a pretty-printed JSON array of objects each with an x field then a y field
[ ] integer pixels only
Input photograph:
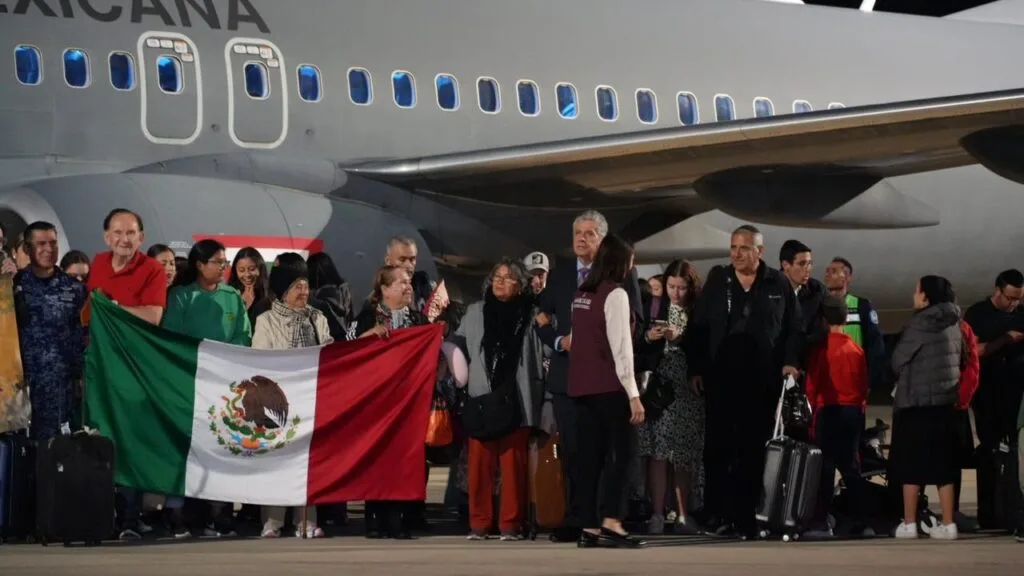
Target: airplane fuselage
[{"x": 649, "y": 55}]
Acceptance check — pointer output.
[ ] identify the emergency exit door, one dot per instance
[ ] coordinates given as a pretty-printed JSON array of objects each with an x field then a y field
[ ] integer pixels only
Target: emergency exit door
[
  {"x": 170, "y": 86},
  {"x": 257, "y": 93}
]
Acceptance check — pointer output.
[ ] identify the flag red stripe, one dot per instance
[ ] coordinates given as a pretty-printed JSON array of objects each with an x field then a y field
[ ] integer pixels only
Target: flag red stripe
[{"x": 373, "y": 403}]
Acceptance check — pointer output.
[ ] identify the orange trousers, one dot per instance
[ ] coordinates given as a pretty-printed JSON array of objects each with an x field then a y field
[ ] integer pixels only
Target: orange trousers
[{"x": 485, "y": 458}]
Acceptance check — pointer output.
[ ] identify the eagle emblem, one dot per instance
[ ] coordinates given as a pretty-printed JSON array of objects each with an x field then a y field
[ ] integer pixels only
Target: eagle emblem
[{"x": 254, "y": 419}]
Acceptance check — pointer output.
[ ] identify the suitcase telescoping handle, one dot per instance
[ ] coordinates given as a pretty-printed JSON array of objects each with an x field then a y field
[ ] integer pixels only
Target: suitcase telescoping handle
[{"x": 788, "y": 384}]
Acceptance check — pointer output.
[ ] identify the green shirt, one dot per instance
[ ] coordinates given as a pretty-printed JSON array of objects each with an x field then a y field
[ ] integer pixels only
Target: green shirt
[{"x": 219, "y": 315}]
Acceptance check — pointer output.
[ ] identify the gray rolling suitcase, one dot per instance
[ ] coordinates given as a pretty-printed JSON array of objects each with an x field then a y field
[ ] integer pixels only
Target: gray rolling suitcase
[{"x": 792, "y": 478}]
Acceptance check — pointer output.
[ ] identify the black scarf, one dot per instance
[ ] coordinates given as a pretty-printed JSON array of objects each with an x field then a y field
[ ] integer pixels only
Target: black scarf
[{"x": 505, "y": 324}]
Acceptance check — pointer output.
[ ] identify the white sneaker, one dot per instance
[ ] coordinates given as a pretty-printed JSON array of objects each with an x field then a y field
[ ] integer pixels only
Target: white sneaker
[
  {"x": 144, "y": 528},
  {"x": 906, "y": 531},
  {"x": 944, "y": 532},
  {"x": 656, "y": 525}
]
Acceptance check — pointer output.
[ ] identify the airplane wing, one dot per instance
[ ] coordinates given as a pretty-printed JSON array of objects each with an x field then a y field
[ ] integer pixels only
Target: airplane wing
[{"x": 871, "y": 141}]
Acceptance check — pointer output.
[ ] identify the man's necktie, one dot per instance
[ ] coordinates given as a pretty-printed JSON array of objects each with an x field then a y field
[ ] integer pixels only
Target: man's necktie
[{"x": 581, "y": 275}]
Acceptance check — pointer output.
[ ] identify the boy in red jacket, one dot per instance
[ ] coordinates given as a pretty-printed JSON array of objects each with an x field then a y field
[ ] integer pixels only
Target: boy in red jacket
[{"x": 837, "y": 388}]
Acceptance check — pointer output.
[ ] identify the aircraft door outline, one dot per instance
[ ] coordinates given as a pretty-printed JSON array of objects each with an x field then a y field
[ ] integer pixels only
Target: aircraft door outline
[
  {"x": 256, "y": 122},
  {"x": 163, "y": 115}
]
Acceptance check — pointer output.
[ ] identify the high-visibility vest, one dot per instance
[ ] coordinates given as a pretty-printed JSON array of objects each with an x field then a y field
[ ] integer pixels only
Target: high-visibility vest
[{"x": 853, "y": 320}]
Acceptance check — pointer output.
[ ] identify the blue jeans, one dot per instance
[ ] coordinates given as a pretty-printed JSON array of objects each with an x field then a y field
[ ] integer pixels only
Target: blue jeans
[{"x": 837, "y": 431}]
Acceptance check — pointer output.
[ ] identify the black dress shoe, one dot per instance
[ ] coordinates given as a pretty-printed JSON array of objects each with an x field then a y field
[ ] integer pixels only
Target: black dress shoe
[
  {"x": 565, "y": 534},
  {"x": 613, "y": 539},
  {"x": 588, "y": 540}
]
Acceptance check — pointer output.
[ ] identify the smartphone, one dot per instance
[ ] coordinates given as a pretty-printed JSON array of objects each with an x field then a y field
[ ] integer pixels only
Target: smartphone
[{"x": 661, "y": 323}]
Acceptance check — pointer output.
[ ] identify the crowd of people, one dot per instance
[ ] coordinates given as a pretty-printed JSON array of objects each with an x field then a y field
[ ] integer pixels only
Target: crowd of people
[{"x": 584, "y": 348}]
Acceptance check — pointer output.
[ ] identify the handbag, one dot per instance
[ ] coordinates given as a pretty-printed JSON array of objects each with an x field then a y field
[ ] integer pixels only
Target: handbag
[
  {"x": 657, "y": 396},
  {"x": 439, "y": 426},
  {"x": 493, "y": 415}
]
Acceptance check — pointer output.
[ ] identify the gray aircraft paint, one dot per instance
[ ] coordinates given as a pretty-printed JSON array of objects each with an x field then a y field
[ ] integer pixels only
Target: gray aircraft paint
[{"x": 91, "y": 137}]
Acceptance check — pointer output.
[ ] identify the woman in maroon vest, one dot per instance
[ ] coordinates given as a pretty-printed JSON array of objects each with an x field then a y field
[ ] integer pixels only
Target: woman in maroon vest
[{"x": 604, "y": 390}]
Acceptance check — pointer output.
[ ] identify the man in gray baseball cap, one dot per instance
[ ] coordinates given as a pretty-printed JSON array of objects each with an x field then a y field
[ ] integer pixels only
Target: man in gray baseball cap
[{"x": 538, "y": 265}]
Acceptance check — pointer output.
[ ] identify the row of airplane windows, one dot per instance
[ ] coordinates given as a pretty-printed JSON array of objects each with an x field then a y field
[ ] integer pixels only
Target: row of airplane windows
[{"x": 170, "y": 79}]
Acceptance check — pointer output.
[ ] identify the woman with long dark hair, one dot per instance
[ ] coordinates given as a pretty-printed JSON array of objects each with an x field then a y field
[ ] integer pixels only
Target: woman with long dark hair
[
  {"x": 163, "y": 254},
  {"x": 201, "y": 305},
  {"x": 925, "y": 437},
  {"x": 677, "y": 437},
  {"x": 330, "y": 293},
  {"x": 605, "y": 394},
  {"x": 249, "y": 277}
]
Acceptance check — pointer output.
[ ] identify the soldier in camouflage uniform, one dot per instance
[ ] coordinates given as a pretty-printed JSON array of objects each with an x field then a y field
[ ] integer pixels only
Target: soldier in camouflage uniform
[{"x": 48, "y": 304}]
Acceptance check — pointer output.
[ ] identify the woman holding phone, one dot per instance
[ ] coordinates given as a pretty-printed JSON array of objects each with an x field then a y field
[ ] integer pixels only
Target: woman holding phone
[{"x": 677, "y": 437}]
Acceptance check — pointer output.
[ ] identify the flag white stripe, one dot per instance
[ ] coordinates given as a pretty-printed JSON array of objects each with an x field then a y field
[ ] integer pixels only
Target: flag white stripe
[{"x": 229, "y": 465}]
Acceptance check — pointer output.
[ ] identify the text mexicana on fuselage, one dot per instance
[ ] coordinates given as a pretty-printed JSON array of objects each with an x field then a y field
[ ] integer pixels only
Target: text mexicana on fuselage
[{"x": 187, "y": 11}]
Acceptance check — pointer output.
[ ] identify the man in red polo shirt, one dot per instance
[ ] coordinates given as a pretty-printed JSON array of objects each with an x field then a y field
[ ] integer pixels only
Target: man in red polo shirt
[
  {"x": 126, "y": 275},
  {"x": 137, "y": 283}
]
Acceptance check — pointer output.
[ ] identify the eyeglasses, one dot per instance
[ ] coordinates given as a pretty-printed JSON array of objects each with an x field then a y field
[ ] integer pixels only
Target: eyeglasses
[
  {"x": 219, "y": 263},
  {"x": 502, "y": 279}
]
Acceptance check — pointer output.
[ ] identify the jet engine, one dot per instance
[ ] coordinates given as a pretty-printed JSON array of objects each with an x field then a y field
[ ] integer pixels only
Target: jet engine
[
  {"x": 814, "y": 197},
  {"x": 179, "y": 210}
]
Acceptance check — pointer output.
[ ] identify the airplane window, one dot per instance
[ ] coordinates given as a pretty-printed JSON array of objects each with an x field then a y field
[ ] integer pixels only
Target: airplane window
[
  {"x": 360, "y": 86},
  {"x": 490, "y": 95},
  {"x": 404, "y": 86},
  {"x": 529, "y": 98},
  {"x": 447, "y": 91},
  {"x": 725, "y": 109},
  {"x": 28, "y": 64},
  {"x": 646, "y": 106},
  {"x": 76, "y": 68},
  {"x": 835, "y": 105},
  {"x": 565, "y": 95},
  {"x": 309, "y": 83},
  {"x": 688, "y": 112},
  {"x": 168, "y": 69},
  {"x": 802, "y": 107},
  {"x": 607, "y": 103},
  {"x": 122, "y": 71},
  {"x": 763, "y": 108},
  {"x": 257, "y": 84}
]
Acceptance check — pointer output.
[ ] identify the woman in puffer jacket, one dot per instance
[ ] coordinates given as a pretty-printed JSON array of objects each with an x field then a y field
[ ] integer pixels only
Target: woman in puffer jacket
[{"x": 924, "y": 436}]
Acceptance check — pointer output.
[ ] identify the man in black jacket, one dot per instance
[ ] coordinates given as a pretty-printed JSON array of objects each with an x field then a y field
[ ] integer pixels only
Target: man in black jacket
[
  {"x": 589, "y": 229},
  {"x": 745, "y": 335},
  {"x": 796, "y": 263}
]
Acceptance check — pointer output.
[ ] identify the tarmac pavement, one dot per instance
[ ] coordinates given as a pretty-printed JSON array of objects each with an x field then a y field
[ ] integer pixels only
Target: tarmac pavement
[{"x": 452, "y": 555}]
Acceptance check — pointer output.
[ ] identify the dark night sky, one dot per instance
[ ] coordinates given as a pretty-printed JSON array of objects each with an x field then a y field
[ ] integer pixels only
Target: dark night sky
[{"x": 921, "y": 7}]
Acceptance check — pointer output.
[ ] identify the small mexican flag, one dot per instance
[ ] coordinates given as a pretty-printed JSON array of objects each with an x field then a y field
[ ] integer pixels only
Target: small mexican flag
[{"x": 197, "y": 418}]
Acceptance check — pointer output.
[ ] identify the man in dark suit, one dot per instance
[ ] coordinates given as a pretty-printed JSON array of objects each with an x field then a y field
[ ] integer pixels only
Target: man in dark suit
[{"x": 589, "y": 229}]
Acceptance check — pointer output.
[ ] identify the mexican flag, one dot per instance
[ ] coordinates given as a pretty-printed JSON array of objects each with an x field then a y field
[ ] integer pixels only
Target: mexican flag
[{"x": 197, "y": 418}]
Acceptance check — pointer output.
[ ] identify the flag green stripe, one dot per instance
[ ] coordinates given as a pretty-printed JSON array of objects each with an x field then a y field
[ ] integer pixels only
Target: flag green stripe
[{"x": 140, "y": 393}]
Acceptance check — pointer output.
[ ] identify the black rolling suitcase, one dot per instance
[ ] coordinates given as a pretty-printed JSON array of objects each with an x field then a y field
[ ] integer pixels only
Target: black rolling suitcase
[
  {"x": 17, "y": 487},
  {"x": 999, "y": 499},
  {"x": 792, "y": 478},
  {"x": 75, "y": 489}
]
